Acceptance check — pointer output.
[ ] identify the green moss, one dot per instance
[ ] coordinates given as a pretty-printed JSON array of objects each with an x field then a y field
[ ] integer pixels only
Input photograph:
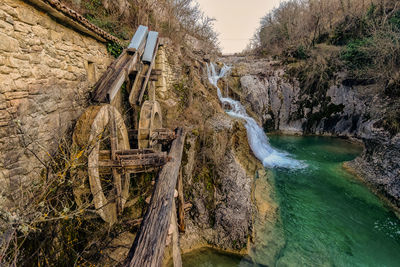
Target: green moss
[
  {"x": 114, "y": 49},
  {"x": 181, "y": 88}
]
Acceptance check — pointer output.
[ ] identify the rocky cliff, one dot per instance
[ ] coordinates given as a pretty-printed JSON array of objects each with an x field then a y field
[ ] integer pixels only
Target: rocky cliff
[
  {"x": 219, "y": 170},
  {"x": 345, "y": 109}
]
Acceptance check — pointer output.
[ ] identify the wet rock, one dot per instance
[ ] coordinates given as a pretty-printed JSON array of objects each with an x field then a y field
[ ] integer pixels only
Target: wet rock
[{"x": 346, "y": 109}]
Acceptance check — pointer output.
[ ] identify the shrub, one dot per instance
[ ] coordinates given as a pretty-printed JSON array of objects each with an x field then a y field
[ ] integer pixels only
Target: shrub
[
  {"x": 356, "y": 54},
  {"x": 114, "y": 49}
]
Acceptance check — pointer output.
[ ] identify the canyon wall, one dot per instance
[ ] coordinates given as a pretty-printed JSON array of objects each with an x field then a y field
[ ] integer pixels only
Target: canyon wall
[
  {"x": 345, "y": 109},
  {"x": 46, "y": 72}
]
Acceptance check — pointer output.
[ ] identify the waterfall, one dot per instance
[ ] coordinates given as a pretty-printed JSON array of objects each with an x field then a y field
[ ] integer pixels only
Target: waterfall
[{"x": 257, "y": 139}]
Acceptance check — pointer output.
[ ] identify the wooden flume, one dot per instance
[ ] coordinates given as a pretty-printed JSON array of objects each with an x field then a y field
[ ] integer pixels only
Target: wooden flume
[{"x": 112, "y": 155}]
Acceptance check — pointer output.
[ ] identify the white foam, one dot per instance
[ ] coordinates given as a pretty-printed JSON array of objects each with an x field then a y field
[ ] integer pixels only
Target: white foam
[{"x": 257, "y": 139}]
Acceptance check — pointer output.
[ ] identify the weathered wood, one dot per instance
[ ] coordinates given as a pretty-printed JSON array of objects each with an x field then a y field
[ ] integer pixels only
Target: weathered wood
[
  {"x": 120, "y": 76},
  {"x": 135, "y": 91},
  {"x": 111, "y": 81},
  {"x": 114, "y": 147},
  {"x": 156, "y": 72},
  {"x": 181, "y": 204},
  {"x": 176, "y": 252},
  {"x": 106, "y": 154},
  {"x": 148, "y": 247},
  {"x": 153, "y": 78},
  {"x": 133, "y": 163},
  {"x": 150, "y": 118},
  {"x": 98, "y": 95},
  {"x": 91, "y": 131},
  {"x": 131, "y": 159},
  {"x": 144, "y": 85},
  {"x": 163, "y": 134}
]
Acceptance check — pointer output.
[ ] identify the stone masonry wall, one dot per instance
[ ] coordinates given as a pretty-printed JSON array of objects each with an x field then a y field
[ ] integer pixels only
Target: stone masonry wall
[{"x": 46, "y": 71}]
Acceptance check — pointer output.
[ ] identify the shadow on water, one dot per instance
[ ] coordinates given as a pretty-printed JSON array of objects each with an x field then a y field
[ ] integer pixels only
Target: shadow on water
[{"x": 329, "y": 218}]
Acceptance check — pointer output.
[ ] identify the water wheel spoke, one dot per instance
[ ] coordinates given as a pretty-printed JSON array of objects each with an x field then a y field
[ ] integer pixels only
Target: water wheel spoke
[{"x": 103, "y": 128}]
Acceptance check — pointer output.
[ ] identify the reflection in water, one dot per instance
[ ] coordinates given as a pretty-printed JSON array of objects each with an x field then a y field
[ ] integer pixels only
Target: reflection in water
[{"x": 329, "y": 218}]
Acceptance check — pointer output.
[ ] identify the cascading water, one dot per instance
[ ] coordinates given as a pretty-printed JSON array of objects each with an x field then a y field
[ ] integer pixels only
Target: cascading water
[{"x": 258, "y": 140}]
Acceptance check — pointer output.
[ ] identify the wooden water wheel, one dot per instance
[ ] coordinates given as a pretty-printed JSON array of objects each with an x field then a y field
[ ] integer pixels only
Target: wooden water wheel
[
  {"x": 150, "y": 120},
  {"x": 101, "y": 132}
]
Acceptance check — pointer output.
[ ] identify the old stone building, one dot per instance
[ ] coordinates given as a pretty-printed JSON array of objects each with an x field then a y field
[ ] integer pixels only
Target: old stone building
[{"x": 50, "y": 56}]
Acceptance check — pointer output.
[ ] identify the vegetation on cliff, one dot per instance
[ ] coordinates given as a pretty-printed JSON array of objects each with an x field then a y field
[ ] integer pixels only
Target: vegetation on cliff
[
  {"x": 318, "y": 39},
  {"x": 175, "y": 19}
]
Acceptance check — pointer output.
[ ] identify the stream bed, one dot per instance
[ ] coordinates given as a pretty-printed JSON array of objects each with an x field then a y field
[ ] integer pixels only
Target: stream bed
[{"x": 329, "y": 218}]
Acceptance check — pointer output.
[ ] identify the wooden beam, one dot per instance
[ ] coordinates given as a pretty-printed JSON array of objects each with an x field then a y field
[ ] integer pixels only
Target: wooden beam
[
  {"x": 99, "y": 93},
  {"x": 132, "y": 161},
  {"x": 135, "y": 91},
  {"x": 156, "y": 72},
  {"x": 107, "y": 153},
  {"x": 176, "y": 252},
  {"x": 181, "y": 204},
  {"x": 148, "y": 75},
  {"x": 120, "y": 77},
  {"x": 148, "y": 247}
]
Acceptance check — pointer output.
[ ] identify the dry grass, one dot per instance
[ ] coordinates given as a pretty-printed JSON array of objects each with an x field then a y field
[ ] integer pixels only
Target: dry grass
[{"x": 174, "y": 19}]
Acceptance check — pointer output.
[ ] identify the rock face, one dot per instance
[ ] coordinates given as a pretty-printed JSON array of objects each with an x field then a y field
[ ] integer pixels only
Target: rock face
[
  {"x": 46, "y": 71},
  {"x": 218, "y": 166},
  {"x": 221, "y": 192},
  {"x": 344, "y": 110}
]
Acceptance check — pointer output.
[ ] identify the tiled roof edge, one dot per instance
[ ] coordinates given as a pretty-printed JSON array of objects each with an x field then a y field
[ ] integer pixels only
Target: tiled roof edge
[{"x": 61, "y": 12}]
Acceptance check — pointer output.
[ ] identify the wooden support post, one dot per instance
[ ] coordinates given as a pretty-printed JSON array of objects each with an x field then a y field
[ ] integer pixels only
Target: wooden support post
[
  {"x": 181, "y": 202},
  {"x": 114, "y": 148},
  {"x": 176, "y": 252},
  {"x": 148, "y": 247},
  {"x": 148, "y": 75},
  {"x": 152, "y": 91},
  {"x": 135, "y": 91}
]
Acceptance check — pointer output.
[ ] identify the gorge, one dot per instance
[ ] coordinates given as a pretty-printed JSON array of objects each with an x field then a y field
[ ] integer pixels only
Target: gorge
[{"x": 286, "y": 154}]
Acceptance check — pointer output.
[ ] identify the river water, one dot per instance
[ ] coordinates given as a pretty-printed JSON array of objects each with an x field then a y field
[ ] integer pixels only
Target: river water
[{"x": 328, "y": 217}]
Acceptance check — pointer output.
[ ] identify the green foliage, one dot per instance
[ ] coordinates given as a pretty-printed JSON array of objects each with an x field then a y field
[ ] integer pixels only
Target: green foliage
[
  {"x": 395, "y": 20},
  {"x": 356, "y": 54},
  {"x": 298, "y": 52},
  {"x": 114, "y": 49},
  {"x": 182, "y": 89},
  {"x": 92, "y": 5}
]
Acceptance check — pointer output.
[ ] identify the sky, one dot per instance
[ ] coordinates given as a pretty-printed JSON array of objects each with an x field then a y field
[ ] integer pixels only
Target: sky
[{"x": 237, "y": 20}]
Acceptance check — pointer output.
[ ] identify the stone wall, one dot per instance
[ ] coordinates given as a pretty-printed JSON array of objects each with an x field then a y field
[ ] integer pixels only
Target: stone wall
[{"x": 46, "y": 71}]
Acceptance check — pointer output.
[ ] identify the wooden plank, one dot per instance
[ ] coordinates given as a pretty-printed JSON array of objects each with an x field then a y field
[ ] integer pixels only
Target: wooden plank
[
  {"x": 148, "y": 247},
  {"x": 98, "y": 93},
  {"x": 181, "y": 204},
  {"x": 132, "y": 163},
  {"x": 156, "y": 72},
  {"x": 137, "y": 169},
  {"x": 144, "y": 85},
  {"x": 122, "y": 76},
  {"x": 135, "y": 91},
  {"x": 176, "y": 252},
  {"x": 114, "y": 147},
  {"x": 111, "y": 81},
  {"x": 107, "y": 153}
]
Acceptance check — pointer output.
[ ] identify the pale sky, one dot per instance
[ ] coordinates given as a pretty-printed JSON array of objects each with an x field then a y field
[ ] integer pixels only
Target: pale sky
[{"x": 237, "y": 20}]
